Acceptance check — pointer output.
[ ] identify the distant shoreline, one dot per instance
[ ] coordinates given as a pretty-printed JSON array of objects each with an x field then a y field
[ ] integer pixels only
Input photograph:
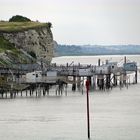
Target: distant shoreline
[
  {"x": 96, "y": 54},
  {"x": 67, "y": 50}
]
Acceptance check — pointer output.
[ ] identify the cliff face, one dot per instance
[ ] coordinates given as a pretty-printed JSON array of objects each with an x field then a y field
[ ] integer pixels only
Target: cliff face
[{"x": 38, "y": 40}]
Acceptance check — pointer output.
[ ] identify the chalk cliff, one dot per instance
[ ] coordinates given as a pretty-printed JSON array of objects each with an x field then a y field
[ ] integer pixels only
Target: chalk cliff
[
  {"x": 36, "y": 40},
  {"x": 25, "y": 41}
]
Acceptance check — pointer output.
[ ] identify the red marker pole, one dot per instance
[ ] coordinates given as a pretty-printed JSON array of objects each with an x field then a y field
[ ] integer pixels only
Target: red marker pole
[{"x": 88, "y": 119}]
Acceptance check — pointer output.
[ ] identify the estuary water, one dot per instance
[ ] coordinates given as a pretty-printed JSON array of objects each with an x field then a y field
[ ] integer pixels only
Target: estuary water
[{"x": 114, "y": 114}]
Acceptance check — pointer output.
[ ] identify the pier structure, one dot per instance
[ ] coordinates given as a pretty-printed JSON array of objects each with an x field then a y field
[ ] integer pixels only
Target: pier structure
[{"x": 38, "y": 81}]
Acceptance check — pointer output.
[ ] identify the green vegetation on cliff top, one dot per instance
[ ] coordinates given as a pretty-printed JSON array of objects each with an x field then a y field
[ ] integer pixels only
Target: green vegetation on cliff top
[
  {"x": 6, "y": 26},
  {"x": 21, "y": 23}
]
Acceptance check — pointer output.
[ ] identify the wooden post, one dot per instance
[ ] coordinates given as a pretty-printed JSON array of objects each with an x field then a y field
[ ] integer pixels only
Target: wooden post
[
  {"x": 124, "y": 77},
  {"x": 90, "y": 82},
  {"x": 44, "y": 93},
  {"x": 6, "y": 94},
  {"x": 30, "y": 91},
  {"x": 120, "y": 81},
  {"x": 136, "y": 76},
  {"x": 14, "y": 93},
  {"x": 74, "y": 84},
  {"x": 26, "y": 92},
  {"x": 99, "y": 61},
  {"x": 48, "y": 89},
  {"x": 21, "y": 93},
  {"x": 36, "y": 91},
  {"x": 66, "y": 86},
  {"x": 2, "y": 94},
  {"x": 78, "y": 83},
  {"x": 59, "y": 89},
  {"x": 114, "y": 80},
  {"x": 56, "y": 90},
  {"x": 11, "y": 94},
  {"x": 93, "y": 84},
  {"x": 82, "y": 86},
  {"x": 88, "y": 117},
  {"x": 39, "y": 90},
  {"x": 108, "y": 81},
  {"x": 125, "y": 59}
]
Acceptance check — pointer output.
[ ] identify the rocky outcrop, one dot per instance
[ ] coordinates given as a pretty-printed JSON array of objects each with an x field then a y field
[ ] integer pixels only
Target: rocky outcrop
[{"x": 38, "y": 40}]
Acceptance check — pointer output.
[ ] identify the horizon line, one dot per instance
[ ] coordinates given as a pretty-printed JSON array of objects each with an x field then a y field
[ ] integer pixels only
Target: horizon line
[{"x": 98, "y": 44}]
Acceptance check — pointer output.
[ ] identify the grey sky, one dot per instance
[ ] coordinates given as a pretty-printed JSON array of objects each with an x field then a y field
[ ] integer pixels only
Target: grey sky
[{"x": 82, "y": 21}]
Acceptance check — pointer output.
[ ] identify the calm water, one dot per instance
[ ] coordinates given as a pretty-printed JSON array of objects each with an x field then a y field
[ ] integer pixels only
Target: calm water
[
  {"x": 115, "y": 115},
  {"x": 94, "y": 59}
]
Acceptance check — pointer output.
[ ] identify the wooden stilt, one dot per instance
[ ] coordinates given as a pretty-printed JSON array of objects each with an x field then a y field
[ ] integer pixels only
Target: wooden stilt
[
  {"x": 21, "y": 93},
  {"x": 136, "y": 76},
  {"x": 74, "y": 84},
  {"x": 26, "y": 93}
]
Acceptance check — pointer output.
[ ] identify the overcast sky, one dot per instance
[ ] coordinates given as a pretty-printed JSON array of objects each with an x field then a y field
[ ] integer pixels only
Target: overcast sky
[{"x": 103, "y": 22}]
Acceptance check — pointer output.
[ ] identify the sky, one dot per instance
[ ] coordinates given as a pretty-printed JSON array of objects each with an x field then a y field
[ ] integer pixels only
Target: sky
[{"x": 82, "y": 22}]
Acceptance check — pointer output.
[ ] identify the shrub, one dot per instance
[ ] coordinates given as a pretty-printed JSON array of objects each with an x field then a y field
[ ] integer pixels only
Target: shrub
[{"x": 19, "y": 18}]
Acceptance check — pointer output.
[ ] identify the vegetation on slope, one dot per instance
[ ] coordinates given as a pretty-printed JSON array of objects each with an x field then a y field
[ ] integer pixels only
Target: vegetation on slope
[
  {"x": 10, "y": 55},
  {"x": 6, "y": 45}
]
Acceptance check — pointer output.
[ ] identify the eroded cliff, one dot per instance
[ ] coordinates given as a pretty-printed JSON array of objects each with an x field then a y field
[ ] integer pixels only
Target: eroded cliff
[{"x": 37, "y": 40}]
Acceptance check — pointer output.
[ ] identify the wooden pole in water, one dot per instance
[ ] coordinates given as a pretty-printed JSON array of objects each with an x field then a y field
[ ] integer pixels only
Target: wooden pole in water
[
  {"x": 88, "y": 118},
  {"x": 99, "y": 62},
  {"x": 136, "y": 76},
  {"x": 124, "y": 78}
]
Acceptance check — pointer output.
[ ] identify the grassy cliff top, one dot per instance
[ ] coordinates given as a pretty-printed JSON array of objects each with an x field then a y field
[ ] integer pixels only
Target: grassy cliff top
[{"x": 6, "y": 26}]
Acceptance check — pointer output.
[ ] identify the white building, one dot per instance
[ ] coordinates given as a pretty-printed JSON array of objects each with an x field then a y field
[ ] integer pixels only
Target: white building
[{"x": 34, "y": 77}]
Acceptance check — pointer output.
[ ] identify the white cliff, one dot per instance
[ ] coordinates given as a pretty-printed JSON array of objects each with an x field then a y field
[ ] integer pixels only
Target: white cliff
[{"x": 38, "y": 40}]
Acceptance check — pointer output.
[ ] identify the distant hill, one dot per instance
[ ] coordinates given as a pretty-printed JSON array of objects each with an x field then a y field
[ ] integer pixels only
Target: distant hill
[{"x": 62, "y": 50}]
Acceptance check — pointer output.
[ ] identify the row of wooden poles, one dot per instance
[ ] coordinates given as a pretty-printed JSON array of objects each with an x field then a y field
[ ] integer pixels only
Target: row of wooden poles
[
  {"x": 38, "y": 89},
  {"x": 34, "y": 89}
]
